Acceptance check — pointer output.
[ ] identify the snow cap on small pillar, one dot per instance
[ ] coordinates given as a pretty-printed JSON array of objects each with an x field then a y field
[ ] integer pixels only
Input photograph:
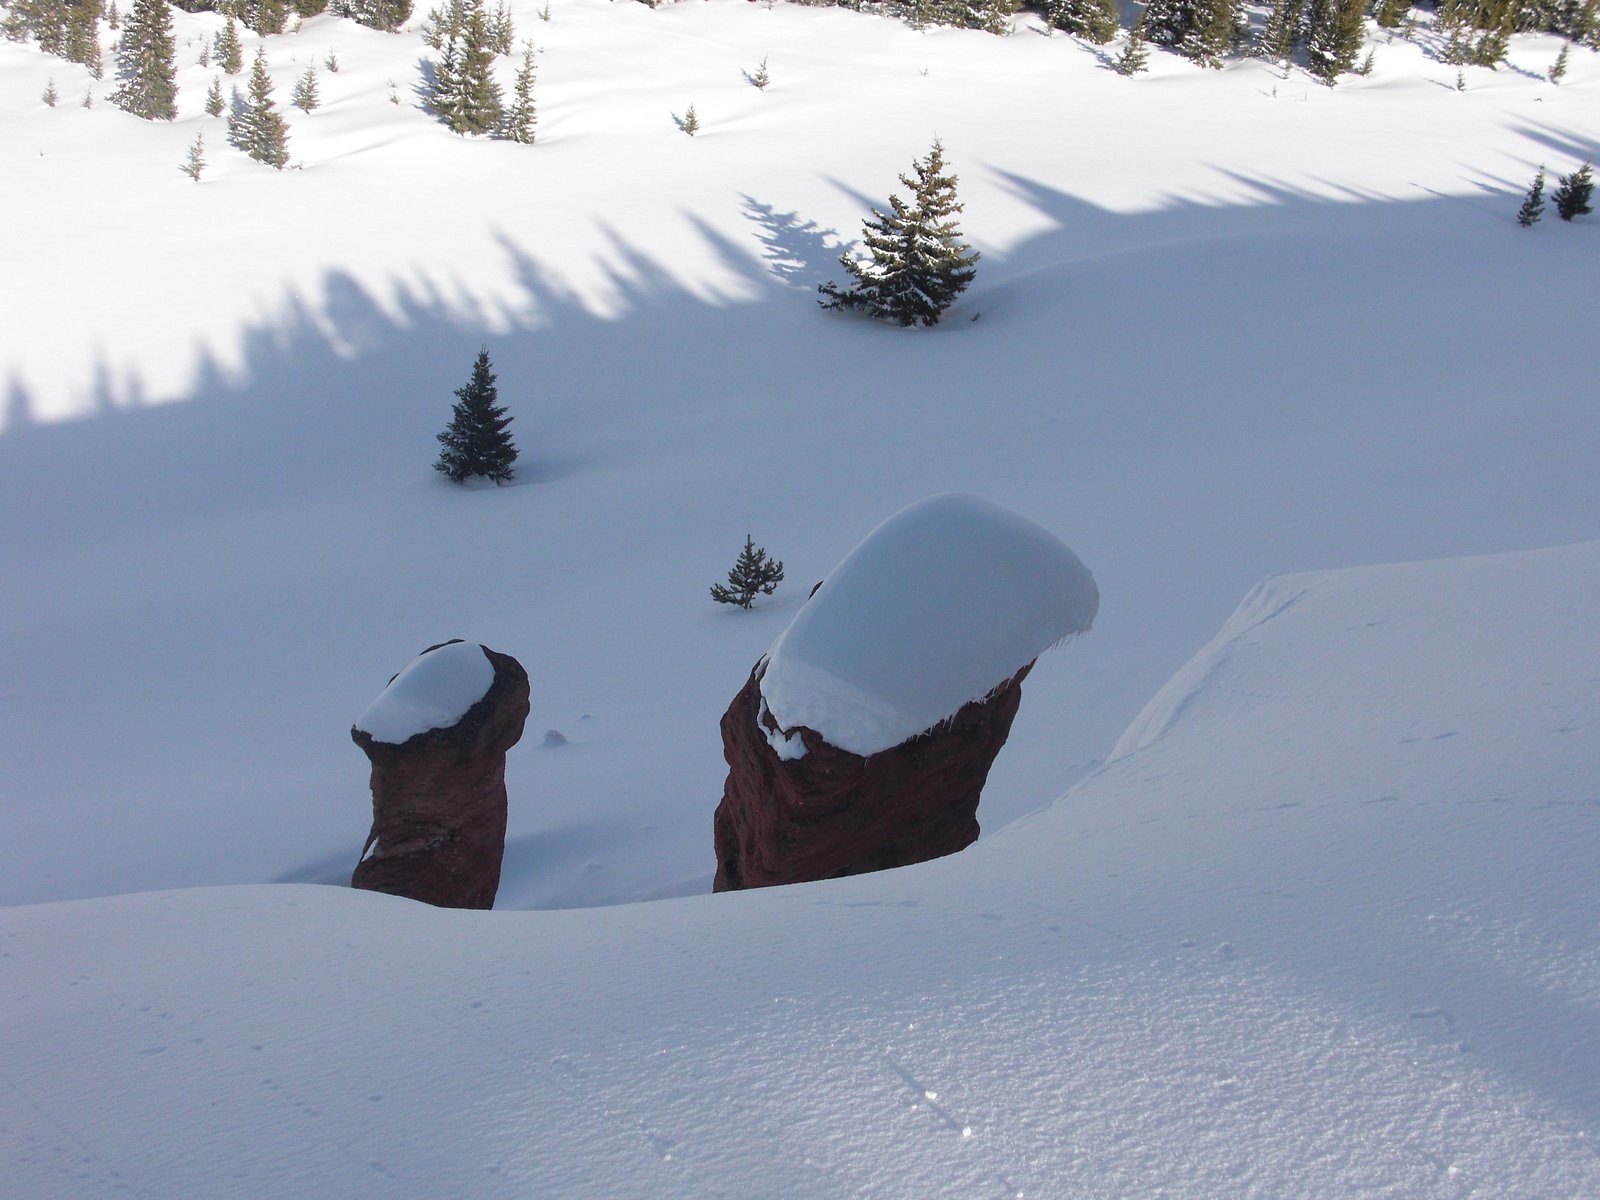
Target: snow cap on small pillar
[
  {"x": 864, "y": 738},
  {"x": 437, "y": 738}
]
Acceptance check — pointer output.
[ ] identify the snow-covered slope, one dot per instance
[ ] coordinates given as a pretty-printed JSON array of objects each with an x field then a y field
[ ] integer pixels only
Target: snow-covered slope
[
  {"x": 1325, "y": 928},
  {"x": 1230, "y": 325}
]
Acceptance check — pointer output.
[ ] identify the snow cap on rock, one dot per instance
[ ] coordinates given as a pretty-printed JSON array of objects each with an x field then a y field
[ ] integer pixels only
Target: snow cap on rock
[
  {"x": 433, "y": 692},
  {"x": 942, "y": 603}
]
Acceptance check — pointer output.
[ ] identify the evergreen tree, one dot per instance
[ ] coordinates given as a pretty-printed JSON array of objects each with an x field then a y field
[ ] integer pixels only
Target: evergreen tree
[
  {"x": 505, "y": 36},
  {"x": 918, "y": 264},
  {"x": 304, "y": 94},
  {"x": 753, "y": 575},
  {"x": 1391, "y": 14},
  {"x": 476, "y": 441},
  {"x": 1215, "y": 29},
  {"x": 50, "y": 95},
  {"x": 256, "y": 126},
  {"x": 214, "y": 101},
  {"x": 1281, "y": 33},
  {"x": 1497, "y": 21},
  {"x": 1135, "y": 56},
  {"x": 82, "y": 36},
  {"x": 690, "y": 123},
  {"x": 229, "y": 49},
  {"x": 1533, "y": 203},
  {"x": 521, "y": 119},
  {"x": 760, "y": 79},
  {"x": 1573, "y": 193},
  {"x": 113, "y": 17},
  {"x": 992, "y": 16},
  {"x": 196, "y": 162},
  {"x": 333, "y": 63},
  {"x": 265, "y": 16},
  {"x": 1093, "y": 20},
  {"x": 385, "y": 15},
  {"x": 1334, "y": 30},
  {"x": 465, "y": 95},
  {"x": 145, "y": 64},
  {"x": 1559, "y": 67}
]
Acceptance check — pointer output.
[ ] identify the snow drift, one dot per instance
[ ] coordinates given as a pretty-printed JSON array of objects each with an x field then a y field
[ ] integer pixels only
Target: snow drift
[{"x": 1332, "y": 934}]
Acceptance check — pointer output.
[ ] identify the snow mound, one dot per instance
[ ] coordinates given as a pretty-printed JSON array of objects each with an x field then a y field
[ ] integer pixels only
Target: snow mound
[
  {"x": 434, "y": 692},
  {"x": 942, "y": 603}
]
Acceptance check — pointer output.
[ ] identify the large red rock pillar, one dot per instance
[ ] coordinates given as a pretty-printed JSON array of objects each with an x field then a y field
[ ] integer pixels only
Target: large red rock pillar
[{"x": 439, "y": 799}]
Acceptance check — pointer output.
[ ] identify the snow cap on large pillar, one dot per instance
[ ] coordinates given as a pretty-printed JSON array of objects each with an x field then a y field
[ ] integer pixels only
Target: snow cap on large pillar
[{"x": 938, "y": 606}]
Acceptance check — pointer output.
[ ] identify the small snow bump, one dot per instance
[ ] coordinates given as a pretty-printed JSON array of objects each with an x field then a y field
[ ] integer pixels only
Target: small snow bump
[{"x": 554, "y": 737}]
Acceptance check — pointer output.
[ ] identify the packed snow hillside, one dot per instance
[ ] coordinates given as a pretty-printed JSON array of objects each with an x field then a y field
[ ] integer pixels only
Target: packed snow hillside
[
  {"x": 1325, "y": 927},
  {"x": 1225, "y": 325}
]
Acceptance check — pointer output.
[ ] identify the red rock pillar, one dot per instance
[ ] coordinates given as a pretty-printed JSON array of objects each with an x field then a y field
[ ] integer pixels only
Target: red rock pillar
[
  {"x": 829, "y": 813},
  {"x": 439, "y": 800}
]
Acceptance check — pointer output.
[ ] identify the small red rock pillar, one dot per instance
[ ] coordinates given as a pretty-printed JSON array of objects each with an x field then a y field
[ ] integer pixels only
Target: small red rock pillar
[
  {"x": 439, "y": 800},
  {"x": 830, "y": 813}
]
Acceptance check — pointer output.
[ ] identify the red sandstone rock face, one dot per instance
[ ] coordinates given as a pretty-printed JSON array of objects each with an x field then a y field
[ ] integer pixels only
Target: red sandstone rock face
[
  {"x": 439, "y": 800},
  {"x": 833, "y": 813}
]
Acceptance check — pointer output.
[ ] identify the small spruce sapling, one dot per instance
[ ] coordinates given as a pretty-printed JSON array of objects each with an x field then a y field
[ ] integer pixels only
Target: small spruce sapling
[
  {"x": 1559, "y": 67},
  {"x": 196, "y": 162},
  {"x": 50, "y": 95},
  {"x": 476, "y": 442},
  {"x": 760, "y": 79},
  {"x": 544, "y": 14},
  {"x": 1533, "y": 203},
  {"x": 230, "y": 49},
  {"x": 304, "y": 95},
  {"x": 332, "y": 63},
  {"x": 1135, "y": 56},
  {"x": 88, "y": 98},
  {"x": 753, "y": 575},
  {"x": 690, "y": 123},
  {"x": 522, "y": 117},
  {"x": 1573, "y": 193},
  {"x": 214, "y": 101}
]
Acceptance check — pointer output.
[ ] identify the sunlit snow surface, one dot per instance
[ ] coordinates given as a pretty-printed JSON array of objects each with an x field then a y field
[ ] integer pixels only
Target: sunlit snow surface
[
  {"x": 1326, "y": 929},
  {"x": 941, "y": 604},
  {"x": 433, "y": 692}
]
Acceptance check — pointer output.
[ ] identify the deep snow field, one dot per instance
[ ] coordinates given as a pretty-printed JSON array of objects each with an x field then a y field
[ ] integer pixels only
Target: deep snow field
[{"x": 1324, "y": 925}]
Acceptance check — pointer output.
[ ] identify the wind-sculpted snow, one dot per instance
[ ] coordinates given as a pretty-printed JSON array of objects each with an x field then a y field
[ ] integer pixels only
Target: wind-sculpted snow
[
  {"x": 941, "y": 604},
  {"x": 1331, "y": 935}
]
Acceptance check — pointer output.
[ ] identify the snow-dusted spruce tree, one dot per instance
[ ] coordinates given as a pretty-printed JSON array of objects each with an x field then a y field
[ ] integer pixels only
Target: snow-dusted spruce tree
[
  {"x": 1574, "y": 192},
  {"x": 256, "y": 126},
  {"x": 149, "y": 87},
  {"x": 304, "y": 93},
  {"x": 465, "y": 95},
  {"x": 82, "y": 42},
  {"x": 1558, "y": 69},
  {"x": 476, "y": 442},
  {"x": 196, "y": 161},
  {"x": 918, "y": 263},
  {"x": 385, "y": 15},
  {"x": 1334, "y": 33},
  {"x": 521, "y": 118},
  {"x": 1391, "y": 14},
  {"x": 1533, "y": 203},
  {"x": 753, "y": 575},
  {"x": 1201, "y": 30},
  {"x": 993, "y": 16},
  {"x": 229, "y": 49},
  {"x": 1093, "y": 20},
  {"x": 214, "y": 100},
  {"x": 1135, "y": 55},
  {"x": 1281, "y": 33},
  {"x": 264, "y": 16}
]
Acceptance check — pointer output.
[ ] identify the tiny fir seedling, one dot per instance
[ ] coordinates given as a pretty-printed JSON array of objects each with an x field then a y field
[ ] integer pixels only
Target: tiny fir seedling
[
  {"x": 214, "y": 101},
  {"x": 759, "y": 79},
  {"x": 332, "y": 63},
  {"x": 304, "y": 95},
  {"x": 49, "y": 95},
  {"x": 690, "y": 123},
  {"x": 196, "y": 161},
  {"x": 753, "y": 575},
  {"x": 544, "y": 14}
]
